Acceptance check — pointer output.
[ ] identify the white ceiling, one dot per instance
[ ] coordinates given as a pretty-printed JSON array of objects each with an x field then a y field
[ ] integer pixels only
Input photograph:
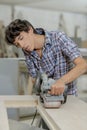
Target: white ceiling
[{"x": 79, "y": 6}]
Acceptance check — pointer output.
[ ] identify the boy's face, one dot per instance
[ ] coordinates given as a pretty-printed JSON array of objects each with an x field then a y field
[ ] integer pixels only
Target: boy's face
[{"x": 25, "y": 40}]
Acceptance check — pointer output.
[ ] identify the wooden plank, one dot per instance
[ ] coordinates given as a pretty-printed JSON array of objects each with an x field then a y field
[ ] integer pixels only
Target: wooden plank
[
  {"x": 70, "y": 116},
  {"x": 46, "y": 116},
  {"x": 19, "y": 101},
  {"x": 3, "y": 117},
  {"x": 30, "y": 85}
]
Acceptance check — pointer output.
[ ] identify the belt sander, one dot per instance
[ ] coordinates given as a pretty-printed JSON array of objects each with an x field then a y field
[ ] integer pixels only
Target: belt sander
[{"x": 42, "y": 86}]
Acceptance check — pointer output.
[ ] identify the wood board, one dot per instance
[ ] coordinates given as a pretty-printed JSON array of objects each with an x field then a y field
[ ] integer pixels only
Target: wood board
[{"x": 70, "y": 116}]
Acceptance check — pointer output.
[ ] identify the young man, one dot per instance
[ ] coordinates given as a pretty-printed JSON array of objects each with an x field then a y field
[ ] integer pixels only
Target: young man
[{"x": 51, "y": 52}]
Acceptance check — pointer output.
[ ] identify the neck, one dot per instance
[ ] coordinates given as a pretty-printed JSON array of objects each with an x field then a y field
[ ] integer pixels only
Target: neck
[{"x": 39, "y": 41}]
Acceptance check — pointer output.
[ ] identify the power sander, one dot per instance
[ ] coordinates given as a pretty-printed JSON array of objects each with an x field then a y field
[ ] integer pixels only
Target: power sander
[{"x": 42, "y": 86}]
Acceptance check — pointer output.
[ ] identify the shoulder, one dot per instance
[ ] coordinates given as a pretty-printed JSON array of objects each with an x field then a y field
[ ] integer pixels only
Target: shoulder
[
  {"x": 52, "y": 39},
  {"x": 55, "y": 33},
  {"x": 55, "y": 36}
]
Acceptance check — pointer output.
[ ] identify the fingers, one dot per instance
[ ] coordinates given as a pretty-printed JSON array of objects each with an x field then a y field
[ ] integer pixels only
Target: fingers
[{"x": 56, "y": 90}]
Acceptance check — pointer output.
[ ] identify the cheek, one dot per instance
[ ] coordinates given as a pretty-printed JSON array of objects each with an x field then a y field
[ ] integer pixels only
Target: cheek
[
  {"x": 27, "y": 40},
  {"x": 31, "y": 41}
]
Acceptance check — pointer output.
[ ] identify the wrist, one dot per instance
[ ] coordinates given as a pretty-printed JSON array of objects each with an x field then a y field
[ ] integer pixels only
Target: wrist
[{"x": 62, "y": 81}]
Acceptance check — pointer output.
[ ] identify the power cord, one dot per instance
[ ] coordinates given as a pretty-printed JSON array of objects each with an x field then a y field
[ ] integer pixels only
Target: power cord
[{"x": 34, "y": 117}]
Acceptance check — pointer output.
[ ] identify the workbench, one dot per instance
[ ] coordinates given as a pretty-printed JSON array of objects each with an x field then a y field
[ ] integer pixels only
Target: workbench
[{"x": 70, "y": 116}]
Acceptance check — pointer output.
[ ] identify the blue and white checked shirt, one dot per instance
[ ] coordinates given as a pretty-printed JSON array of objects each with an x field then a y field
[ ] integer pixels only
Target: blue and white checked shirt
[{"x": 59, "y": 52}]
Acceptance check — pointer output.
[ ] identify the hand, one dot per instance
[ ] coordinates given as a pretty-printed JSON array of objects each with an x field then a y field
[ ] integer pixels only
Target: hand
[{"x": 57, "y": 88}]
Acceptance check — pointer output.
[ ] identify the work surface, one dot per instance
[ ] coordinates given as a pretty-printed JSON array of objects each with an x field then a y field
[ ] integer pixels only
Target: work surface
[{"x": 70, "y": 116}]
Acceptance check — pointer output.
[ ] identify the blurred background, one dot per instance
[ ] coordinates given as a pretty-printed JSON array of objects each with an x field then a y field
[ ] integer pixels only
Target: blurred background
[{"x": 69, "y": 16}]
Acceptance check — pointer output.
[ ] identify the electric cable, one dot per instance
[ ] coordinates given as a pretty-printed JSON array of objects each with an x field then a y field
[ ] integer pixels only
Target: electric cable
[{"x": 34, "y": 117}]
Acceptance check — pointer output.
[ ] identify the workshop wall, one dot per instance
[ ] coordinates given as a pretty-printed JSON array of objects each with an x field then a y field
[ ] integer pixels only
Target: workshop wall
[
  {"x": 5, "y": 14},
  {"x": 50, "y": 20}
]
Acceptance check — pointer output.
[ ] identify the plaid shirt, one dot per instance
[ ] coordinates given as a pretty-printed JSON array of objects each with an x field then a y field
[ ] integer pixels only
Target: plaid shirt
[{"x": 58, "y": 54}]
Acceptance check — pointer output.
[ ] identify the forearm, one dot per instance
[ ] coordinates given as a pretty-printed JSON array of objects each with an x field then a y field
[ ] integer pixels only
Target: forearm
[{"x": 78, "y": 70}]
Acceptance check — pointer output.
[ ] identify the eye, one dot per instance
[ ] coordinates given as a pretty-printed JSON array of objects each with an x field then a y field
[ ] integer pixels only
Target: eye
[{"x": 20, "y": 37}]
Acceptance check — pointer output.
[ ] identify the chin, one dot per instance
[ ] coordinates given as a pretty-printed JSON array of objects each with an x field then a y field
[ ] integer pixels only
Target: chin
[{"x": 31, "y": 49}]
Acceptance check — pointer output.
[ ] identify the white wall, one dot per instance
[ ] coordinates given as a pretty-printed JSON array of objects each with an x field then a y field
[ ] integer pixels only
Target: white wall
[
  {"x": 5, "y": 14},
  {"x": 50, "y": 20},
  {"x": 74, "y": 19},
  {"x": 39, "y": 18},
  {"x": 47, "y": 19}
]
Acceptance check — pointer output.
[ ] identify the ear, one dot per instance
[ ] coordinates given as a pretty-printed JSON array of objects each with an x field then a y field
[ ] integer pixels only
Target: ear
[{"x": 31, "y": 30}]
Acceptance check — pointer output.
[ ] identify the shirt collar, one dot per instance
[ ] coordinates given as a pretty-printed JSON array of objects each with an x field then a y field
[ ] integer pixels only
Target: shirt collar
[
  {"x": 47, "y": 38},
  {"x": 41, "y": 31}
]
